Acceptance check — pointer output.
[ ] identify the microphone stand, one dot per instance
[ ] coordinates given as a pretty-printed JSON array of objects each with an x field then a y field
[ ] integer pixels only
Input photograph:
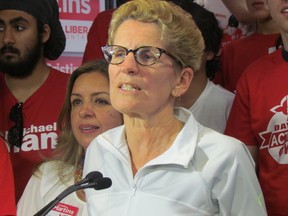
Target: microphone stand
[
  {"x": 66, "y": 192},
  {"x": 97, "y": 184}
]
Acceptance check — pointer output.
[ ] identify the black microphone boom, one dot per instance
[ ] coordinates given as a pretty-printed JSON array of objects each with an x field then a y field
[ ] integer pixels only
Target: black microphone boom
[{"x": 93, "y": 179}]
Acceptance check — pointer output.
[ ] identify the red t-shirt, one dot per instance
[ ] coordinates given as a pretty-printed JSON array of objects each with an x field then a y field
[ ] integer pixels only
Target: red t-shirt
[
  {"x": 259, "y": 118},
  {"x": 40, "y": 114},
  {"x": 97, "y": 36},
  {"x": 7, "y": 193},
  {"x": 237, "y": 55}
]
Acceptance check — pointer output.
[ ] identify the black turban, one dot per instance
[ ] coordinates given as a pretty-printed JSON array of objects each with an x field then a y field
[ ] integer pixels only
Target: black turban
[{"x": 47, "y": 12}]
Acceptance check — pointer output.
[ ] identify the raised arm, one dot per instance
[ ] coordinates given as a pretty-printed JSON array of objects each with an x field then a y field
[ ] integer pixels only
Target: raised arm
[{"x": 239, "y": 9}]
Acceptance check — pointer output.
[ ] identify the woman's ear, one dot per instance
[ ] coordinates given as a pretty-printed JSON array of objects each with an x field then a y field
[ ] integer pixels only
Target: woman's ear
[
  {"x": 45, "y": 35},
  {"x": 183, "y": 82}
]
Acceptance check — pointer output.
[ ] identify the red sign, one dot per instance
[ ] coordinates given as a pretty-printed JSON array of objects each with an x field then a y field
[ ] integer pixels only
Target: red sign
[
  {"x": 62, "y": 209},
  {"x": 66, "y": 64},
  {"x": 76, "y": 19},
  {"x": 79, "y": 10}
]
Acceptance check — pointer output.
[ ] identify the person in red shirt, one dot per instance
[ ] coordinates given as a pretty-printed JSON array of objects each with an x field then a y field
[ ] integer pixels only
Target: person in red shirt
[
  {"x": 259, "y": 116},
  {"x": 98, "y": 34},
  {"x": 32, "y": 93},
  {"x": 7, "y": 195},
  {"x": 240, "y": 10},
  {"x": 237, "y": 55}
]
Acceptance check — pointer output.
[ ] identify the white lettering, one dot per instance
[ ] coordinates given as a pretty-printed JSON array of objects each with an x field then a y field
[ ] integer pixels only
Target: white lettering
[
  {"x": 74, "y": 6},
  {"x": 40, "y": 128},
  {"x": 282, "y": 138},
  {"x": 64, "y": 210},
  {"x": 274, "y": 141},
  {"x": 45, "y": 137},
  {"x": 68, "y": 68},
  {"x": 30, "y": 143}
]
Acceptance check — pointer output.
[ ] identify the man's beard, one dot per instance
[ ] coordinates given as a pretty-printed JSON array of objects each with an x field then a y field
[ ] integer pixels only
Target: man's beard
[{"x": 23, "y": 67}]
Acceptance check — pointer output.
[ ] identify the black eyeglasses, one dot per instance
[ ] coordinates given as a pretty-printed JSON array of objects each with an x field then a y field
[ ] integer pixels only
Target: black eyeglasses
[
  {"x": 15, "y": 134},
  {"x": 146, "y": 55}
]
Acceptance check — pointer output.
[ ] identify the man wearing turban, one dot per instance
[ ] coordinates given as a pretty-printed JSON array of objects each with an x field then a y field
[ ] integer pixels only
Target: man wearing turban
[{"x": 31, "y": 93}]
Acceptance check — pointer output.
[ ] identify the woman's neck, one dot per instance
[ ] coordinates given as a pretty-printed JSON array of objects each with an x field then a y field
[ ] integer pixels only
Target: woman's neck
[
  {"x": 147, "y": 141},
  {"x": 196, "y": 88},
  {"x": 267, "y": 26}
]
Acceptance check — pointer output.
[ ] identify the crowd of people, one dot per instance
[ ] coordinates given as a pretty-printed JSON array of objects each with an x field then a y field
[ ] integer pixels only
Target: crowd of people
[{"x": 181, "y": 103}]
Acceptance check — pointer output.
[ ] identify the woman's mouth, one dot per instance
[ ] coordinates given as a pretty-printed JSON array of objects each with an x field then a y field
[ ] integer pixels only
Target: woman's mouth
[
  {"x": 89, "y": 128},
  {"x": 128, "y": 87}
]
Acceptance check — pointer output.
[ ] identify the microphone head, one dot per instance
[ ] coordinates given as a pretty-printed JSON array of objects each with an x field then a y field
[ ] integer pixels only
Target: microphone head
[
  {"x": 94, "y": 175},
  {"x": 90, "y": 177},
  {"x": 103, "y": 183}
]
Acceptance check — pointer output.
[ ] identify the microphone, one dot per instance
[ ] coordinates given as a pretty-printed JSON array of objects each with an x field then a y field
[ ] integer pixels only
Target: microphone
[
  {"x": 90, "y": 177},
  {"x": 103, "y": 183},
  {"x": 93, "y": 179},
  {"x": 99, "y": 184}
]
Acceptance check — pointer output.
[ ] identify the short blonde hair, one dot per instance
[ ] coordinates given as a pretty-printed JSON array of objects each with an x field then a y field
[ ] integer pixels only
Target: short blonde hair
[{"x": 178, "y": 28}]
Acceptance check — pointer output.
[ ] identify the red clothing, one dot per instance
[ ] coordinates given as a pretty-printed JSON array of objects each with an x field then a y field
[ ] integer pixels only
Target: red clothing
[
  {"x": 7, "y": 193},
  {"x": 259, "y": 118},
  {"x": 237, "y": 55},
  {"x": 97, "y": 36},
  {"x": 40, "y": 114},
  {"x": 231, "y": 34}
]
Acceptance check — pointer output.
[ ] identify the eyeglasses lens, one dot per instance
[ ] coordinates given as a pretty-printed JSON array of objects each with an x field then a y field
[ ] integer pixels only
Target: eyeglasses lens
[
  {"x": 117, "y": 54},
  {"x": 15, "y": 134},
  {"x": 147, "y": 55}
]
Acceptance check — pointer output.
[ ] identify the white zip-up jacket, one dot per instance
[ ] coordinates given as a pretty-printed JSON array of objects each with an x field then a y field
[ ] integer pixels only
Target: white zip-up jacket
[{"x": 202, "y": 173}]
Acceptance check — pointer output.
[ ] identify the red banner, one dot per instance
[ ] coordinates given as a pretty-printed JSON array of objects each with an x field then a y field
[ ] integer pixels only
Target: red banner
[{"x": 76, "y": 18}]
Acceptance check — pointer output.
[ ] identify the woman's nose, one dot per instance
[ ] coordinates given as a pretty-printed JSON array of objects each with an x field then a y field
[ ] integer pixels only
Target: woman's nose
[
  {"x": 130, "y": 64},
  {"x": 87, "y": 110}
]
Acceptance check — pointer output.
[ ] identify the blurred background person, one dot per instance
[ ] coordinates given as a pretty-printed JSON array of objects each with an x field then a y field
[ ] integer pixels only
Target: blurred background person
[
  {"x": 7, "y": 193},
  {"x": 236, "y": 56},
  {"x": 240, "y": 10},
  {"x": 86, "y": 113},
  {"x": 32, "y": 93},
  {"x": 209, "y": 103},
  {"x": 233, "y": 17},
  {"x": 98, "y": 34},
  {"x": 259, "y": 116}
]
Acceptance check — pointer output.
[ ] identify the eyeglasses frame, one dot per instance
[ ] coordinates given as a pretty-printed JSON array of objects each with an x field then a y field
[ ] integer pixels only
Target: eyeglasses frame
[{"x": 177, "y": 60}]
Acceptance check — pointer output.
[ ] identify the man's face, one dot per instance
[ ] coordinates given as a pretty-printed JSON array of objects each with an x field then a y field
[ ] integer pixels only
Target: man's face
[
  {"x": 20, "y": 43},
  {"x": 259, "y": 9}
]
